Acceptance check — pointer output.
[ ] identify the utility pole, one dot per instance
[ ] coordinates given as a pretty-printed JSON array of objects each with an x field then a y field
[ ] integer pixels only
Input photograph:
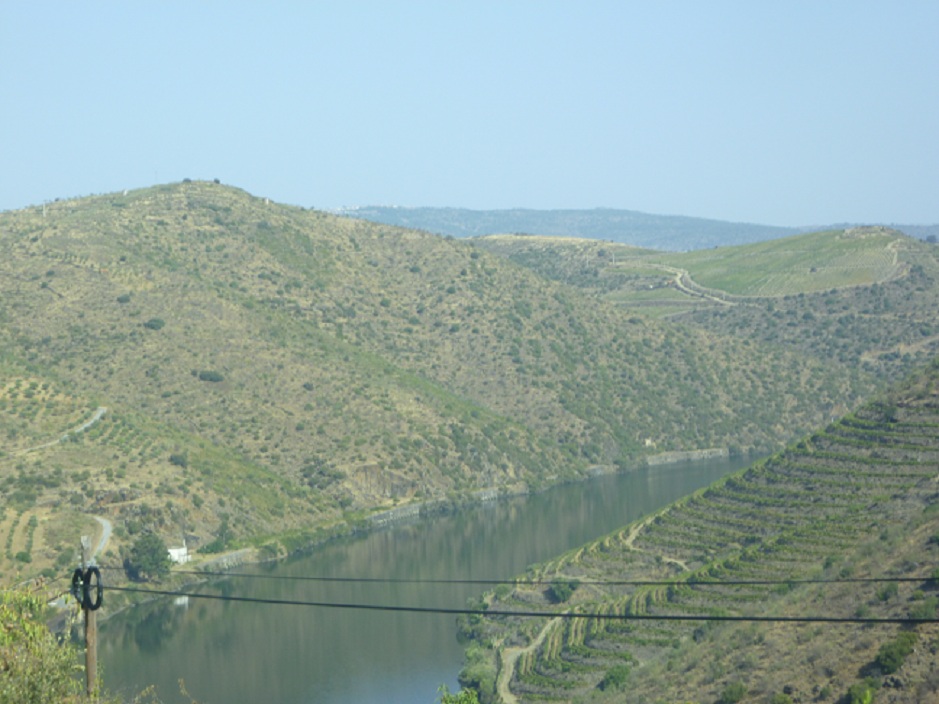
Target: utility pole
[{"x": 91, "y": 628}]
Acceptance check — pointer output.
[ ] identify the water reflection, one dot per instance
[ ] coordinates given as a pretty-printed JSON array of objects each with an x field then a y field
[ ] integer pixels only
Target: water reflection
[{"x": 231, "y": 652}]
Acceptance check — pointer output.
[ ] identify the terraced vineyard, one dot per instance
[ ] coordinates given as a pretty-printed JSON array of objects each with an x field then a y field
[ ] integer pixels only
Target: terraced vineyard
[{"x": 857, "y": 499}]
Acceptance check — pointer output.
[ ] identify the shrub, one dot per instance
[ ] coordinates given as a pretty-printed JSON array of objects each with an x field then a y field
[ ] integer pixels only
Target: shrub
[
  {"x": 154, "y": 324},
  {"x": 887, "y": 591},
  {"x": 562, "y": 589},
  {"x": 179, "y": 459},
  {"x": 213, "y": 376},
  {"x": 464, "y": 696},
  {"x": 926, "y": 608},
  {"x": 733, "y": 693},
  {"x": 37, "y": 666},
  {"x": 891, "y": 655},
  {"x": 862, "y": 692},
  {"x": 615, "y": 678}
]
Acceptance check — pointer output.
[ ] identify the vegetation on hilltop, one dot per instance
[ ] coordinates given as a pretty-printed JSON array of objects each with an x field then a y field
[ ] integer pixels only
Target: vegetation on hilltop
[
  {"x": 271, "y": 375},
  {"x": 854, "y": 500}
]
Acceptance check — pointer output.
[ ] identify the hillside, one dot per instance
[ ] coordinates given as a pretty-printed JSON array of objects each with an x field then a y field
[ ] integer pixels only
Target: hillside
[
  {"x": 864, "y": 296},
  {"x": 854, "y": 501},
  {"x": 268, "y": 375}
]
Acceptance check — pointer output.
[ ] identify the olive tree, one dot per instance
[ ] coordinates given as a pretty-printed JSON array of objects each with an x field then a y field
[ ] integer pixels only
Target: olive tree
[{"x": 149, "y": 558}]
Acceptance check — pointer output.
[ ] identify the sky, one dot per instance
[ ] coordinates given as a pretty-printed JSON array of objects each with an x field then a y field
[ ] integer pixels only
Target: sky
[{"x": 789, "y": 113}]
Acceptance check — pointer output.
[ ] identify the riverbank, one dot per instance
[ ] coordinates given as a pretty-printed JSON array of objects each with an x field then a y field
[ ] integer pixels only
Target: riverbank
[
  {"x": 278, "y": 548},
  {"x": 687, "y": 456},
  {"x": 260, "y": 652}
]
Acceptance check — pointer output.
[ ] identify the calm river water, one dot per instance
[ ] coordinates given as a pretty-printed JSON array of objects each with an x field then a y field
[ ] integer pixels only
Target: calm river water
[{"x": 229, "y": 652}]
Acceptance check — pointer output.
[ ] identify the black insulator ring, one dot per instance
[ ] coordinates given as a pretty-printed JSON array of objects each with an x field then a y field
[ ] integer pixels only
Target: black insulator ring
[
  {"x": 77, "y": 582},
  {"x": 87, "y": 603}
]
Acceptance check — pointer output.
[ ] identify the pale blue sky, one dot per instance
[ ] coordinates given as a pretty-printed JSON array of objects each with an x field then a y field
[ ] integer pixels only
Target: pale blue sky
[{"x": 785, "y": 113}]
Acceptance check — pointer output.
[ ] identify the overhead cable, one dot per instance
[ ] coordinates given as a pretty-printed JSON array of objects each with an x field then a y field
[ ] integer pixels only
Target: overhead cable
[
  {"x": 531, "y": 614},
  {"x": 521, "y": 581}
]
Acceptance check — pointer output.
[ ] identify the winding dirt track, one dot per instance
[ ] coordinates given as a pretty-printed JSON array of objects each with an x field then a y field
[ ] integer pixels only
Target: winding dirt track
[
  {"x": 98, "y": 415},
  {"x": 510, "y": 656},
  {"x": 106, "y": 529}
]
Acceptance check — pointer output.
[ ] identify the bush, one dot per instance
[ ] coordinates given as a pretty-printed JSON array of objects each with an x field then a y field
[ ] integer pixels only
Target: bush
[
  {"x": 733, "y": 693},
  {"x": 212, "y": 376},
  {"x": 615, "y": 678},
  {"x": 862, "y": 692},
  {"x": 891, "y": 655},
  {"x": 887, "y": 591},
  {"x": 154, "y": 324},
  {"x": 464, "y": 696},
  {"x": 926, "y": 608},
  {"x": 179, "y": 459},
  {"x": 562, "y": 589},
  {"x": 37, "y": 666}
]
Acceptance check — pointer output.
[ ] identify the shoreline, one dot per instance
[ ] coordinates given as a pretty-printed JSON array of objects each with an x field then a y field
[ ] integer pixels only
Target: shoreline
[{"x": 214, "y": 566}]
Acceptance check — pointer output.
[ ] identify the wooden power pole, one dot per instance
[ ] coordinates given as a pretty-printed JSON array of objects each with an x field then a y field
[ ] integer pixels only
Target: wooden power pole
[{"x": 91, "y": 628}]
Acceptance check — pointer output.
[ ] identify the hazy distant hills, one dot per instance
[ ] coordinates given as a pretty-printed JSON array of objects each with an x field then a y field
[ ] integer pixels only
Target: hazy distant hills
[
  {"x": 668, "y": 232},
  {"x": 664, "y": 232}
]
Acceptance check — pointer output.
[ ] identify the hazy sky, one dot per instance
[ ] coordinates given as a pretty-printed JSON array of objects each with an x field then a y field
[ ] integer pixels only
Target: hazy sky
[{"x": 786, "y": 113}]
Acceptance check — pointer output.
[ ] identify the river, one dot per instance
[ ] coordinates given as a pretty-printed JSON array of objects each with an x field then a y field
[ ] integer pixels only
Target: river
[{"x": 230, "y": 652}]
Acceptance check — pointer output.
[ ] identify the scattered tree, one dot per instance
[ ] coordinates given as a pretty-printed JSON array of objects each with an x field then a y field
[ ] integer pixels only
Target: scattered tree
[
  {"x": 149, "y": 558},
  {"x": 562, "y": 589}
]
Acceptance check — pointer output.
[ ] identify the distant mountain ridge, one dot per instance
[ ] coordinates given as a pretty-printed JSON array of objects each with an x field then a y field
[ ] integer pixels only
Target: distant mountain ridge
[{"x": 665, "y": 232}]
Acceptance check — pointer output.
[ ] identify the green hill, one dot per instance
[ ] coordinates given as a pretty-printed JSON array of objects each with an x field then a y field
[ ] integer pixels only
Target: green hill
[
  {"x": 271, "y": 375},
  {"x": 865, "y": 297},
  {"x": 855, "y": 501}
]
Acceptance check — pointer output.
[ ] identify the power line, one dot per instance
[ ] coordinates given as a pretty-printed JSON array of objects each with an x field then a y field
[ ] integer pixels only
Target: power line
[
  {"x": 531, "y": 614},
  {"x": 537, "y": 582}
]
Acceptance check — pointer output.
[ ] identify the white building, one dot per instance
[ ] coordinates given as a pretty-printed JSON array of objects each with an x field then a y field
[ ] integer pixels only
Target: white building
[{"x": 179, "y": 556}]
